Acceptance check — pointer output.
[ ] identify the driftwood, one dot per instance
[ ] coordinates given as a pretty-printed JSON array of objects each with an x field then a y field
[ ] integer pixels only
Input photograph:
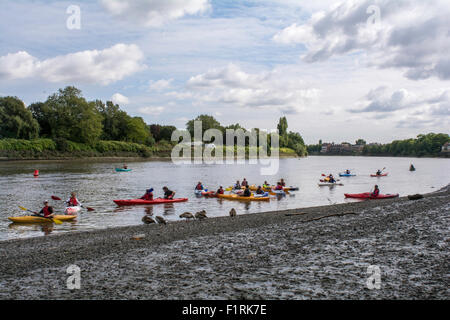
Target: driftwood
[{"x": 330, "y": 215}]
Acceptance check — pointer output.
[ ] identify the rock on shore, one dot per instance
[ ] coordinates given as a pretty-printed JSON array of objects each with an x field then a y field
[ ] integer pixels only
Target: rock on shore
[{"x": 273, "y": 255}]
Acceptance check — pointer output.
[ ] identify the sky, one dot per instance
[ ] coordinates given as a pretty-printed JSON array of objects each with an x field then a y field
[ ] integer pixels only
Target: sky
[{"x": 338, "y": 70}]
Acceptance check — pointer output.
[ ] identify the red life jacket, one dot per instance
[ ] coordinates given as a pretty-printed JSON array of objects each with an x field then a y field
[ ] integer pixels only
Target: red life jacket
[
  {"x": 148, "y": 196},
  {"x": 46, "y": 211},
  {"x": 199, "y": 187},
  {"x": 376, "y": 192},
  {"x": 73, "y": 202}
]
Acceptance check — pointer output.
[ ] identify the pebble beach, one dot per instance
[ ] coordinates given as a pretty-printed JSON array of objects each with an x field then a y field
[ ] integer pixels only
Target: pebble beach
[{"x": 307, "y": 253}]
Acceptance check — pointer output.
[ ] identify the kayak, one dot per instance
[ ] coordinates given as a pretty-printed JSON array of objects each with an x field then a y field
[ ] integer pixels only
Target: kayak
[
  {"x": 208, "y": 193},
  {"x": 346, "y": 175},
  {"x": 122, "y": 170},
  {"x": 198, "y": 192},
  {"x": 72, "y": 210},
  {"x": 368, "y": 195},
  {"x": 279, "y": 192},
  {"x": 327, "y": 184},
  {"x": 34, "y": 219},
  {"x": 381, "y": 175},
  {"x": 236, "y": 197},
  {"x": 133, "y": 202}
]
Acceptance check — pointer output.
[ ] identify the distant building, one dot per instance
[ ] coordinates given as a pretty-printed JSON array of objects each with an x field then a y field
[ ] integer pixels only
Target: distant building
[
  {"x": 446, "y": 147},
  {"x": 325, "y": 147},
  {"x": 358, "y": 148}
]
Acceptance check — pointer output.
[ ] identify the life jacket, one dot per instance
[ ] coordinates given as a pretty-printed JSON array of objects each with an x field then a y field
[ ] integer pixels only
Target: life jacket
[
  {"x": 147, "y": 196},
  {"x": 259, "y": 191},
  {"x": 220, "y": 191},
  {"x": 73, "y": 202},
  {"x": 376, "y": 192},
  {"x": 279, "y": 187},
  {"x": 46, "y": 211},
  {"x": 199, "y": 187}
]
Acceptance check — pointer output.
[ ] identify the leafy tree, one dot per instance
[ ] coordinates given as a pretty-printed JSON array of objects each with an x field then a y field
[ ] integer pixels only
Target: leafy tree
[
  {"x": 16, "y": 121},
  {"x": 71, "y": 117},
  {"x": 360, "y": 142},
  {"x": 138, "y": 132},
  {"x": 115, "y": 121},
  {"x": 208, "y": 122},
  {"x": 40, "y": 112}
]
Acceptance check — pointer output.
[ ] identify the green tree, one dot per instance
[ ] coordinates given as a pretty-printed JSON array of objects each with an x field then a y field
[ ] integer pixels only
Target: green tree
[
  {"x": 360, "y": 142},
  {"x": 138, "y": 132},
  {"x": 40, "y": 112},
  {"x": 115, "y": 121},
  {"x": 16, "y": 121},
  {"x": 71, "y": 117},
  {"x": 208, "y": 122}
]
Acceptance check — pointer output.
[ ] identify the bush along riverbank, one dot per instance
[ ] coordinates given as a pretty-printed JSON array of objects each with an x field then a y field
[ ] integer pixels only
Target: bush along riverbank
[{"x": 38, "y": 149}]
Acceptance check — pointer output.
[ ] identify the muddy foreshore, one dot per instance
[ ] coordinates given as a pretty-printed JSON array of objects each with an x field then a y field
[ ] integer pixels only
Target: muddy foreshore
[{"x": 270, "y": 255}]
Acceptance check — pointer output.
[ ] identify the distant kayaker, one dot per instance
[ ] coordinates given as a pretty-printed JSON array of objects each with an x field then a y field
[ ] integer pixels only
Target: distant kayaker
[
  {"x": 73, "y": 201},
  {"x": 247, "y": 192},
  {"x": 168, "y": 194},
  {"x": 244, "y": 183},
  {"x": 237, "y": 185},
  {"x": 279, "y": 186},
  {"x": 331, "y": 179},
  {"x": 125, "y": 166},
  {"x": 199, "y": 186},
  {"x": 47, "y": 210},
  {"x": 411, "y": 168},
  {"x": 266, "y": 185},
  {"x": 220, "y": 190},
  {"x": 283, "y": 184},
  {"x": 259, "y": 190},
  {"x": 378, "y": 172},
  {"x": 376, "y": 191},
  {"x": 347, "y": 171},
  {"x": 148, "y": 195}
]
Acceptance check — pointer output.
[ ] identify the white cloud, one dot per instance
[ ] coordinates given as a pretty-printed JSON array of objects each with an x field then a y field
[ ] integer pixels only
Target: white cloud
[
  {"x": 410, "y": 35},
  {"x": 120, "y": 99},
  {"x": 90, "y": 66},
  {"x": 233, "y": 87},
  {"x": 152, "y": 111},
  {"x": 154, "y": 13},
  {"x": 160, "y": 85}
]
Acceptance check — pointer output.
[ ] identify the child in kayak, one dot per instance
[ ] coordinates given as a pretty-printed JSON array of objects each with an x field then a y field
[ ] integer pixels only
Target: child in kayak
[
  {"x": 247, "y": 192},
  {"x": 148, "y": 195},
  {"x": 168, "y": 194},
  {"x": 376, "y": 191},
  {"x": 220, "y": 190},
  {"x": 199, "y": 186},
  {"x": 259, "y": 190},
  {"x": 47, "y": 211},
  {"x": 73, "y": 201}
]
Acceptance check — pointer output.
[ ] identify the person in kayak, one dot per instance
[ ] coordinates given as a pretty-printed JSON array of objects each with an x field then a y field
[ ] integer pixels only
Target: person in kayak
[
  {"x": 279, "y": 186},
  {"x": 376, "y": 191},
  {"x": 220, "y": 190},
  {"x": 237, "y": 186},
  {"x": 244, "y": 183},
  {"x": 148, "y": 195},
  {"x": 199, "y": 186},
  {"x": 378, "y": 172},
  {"x": 331, "y": 179},
  {"x": 168, "y": 194},
  {"x": 247, "y": 192},
  {"x": 347, "y": 171},
  {"x": 73, "y": 201},
  {"x": 47, "y": 211},
  {"x": 411, "y": 168},
  {"x": 283, "y": 184},
  {"x": 259, "y": 190},
  {"x": 266, "y": 185},
  {"x": 125, "y": 166}
]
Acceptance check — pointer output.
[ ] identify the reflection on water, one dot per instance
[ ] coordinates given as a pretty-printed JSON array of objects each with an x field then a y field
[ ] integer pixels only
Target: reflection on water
[{"x": 97, "y": 184}]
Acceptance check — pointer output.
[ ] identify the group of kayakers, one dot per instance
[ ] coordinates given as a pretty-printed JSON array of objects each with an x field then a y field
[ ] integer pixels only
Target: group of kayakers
[
  {"x": 48, "y": 212},
  {"x": 168, "y": 194}
]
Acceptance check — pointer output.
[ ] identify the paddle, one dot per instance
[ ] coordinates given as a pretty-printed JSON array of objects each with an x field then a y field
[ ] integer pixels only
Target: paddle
[
  {"x": 59, "y": 199},
  {"x": 37, "y": 214}
]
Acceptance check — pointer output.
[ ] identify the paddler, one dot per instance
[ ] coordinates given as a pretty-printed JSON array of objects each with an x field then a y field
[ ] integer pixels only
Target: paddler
[
  {"x": 220, "y": 190},
  {"x": 247, "y": 192},
  {"x": 259, "y": 190},
  {"x": 168, "y": 194},
  {"x": 148, "y": 195},
  {"x": 378, "y": 172},
  {"x": 47, "y": 210},
  {"x": 237, "y": 185},
  {"x": 279, "y": 186},
  {"x": 73, "y": 201},
  {"x": 199, "y": 186},
  {"x": 283, "y": 184},
  {"x": 266, "y": 185},
  {"x": 244, "y": 183},
  {"x": 125, "y": 166},
  {"x": 376, "y": 191},
  {"x": 331, "y": 179},
  {"x": 411, "y": 168},
  {"x": 347, "y": 171}
]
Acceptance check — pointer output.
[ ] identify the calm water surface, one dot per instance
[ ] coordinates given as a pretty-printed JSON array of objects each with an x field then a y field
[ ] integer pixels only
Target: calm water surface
[{"x": 97, "y": 184}]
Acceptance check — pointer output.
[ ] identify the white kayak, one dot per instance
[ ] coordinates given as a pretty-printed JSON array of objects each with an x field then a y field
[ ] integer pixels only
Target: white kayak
[
  {"x": 72, "y": 210},
  {"x": 327, "y": 184}
]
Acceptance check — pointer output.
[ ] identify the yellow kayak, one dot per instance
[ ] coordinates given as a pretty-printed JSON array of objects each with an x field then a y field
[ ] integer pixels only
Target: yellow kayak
[
  {"x": 34, "y": 219},
  {"x": 236, "y": 197}
]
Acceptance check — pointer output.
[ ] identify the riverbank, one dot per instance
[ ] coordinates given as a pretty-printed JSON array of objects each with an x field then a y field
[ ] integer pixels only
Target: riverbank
[{"x": 271, "y": 255}]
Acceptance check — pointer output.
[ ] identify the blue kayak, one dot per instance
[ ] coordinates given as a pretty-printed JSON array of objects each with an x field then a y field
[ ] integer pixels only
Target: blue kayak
[
  {"x": 122, "y": 170},
  {"x": 346, "y": 175}
]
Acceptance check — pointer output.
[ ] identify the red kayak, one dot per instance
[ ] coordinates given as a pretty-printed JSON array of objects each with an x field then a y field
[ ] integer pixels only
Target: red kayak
[
  {"x": 368, "y": 195},
  {"x": 208, "y": 193},
  {"x": 133, "y": 202},
  {"x": 380, "y": 175}
]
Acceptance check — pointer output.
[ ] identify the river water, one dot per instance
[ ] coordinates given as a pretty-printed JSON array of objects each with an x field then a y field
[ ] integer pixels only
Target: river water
[{"x": 97, "y": 184}]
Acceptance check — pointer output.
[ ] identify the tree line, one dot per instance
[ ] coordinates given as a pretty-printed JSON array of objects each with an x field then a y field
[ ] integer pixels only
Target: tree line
[{"x": 67, "y": 116}]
